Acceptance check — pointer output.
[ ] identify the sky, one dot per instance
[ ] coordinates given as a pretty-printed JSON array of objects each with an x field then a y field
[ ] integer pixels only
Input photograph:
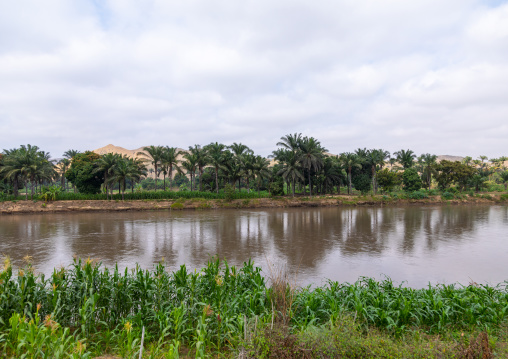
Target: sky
[{"x": 425, "y": 75}]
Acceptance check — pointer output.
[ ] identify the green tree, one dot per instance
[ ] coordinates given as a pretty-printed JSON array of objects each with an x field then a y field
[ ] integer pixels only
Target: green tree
[
  {"x": 376, "y": 159},
  {"x": 215, "y": 159},
  {"x": 411, "y": 180},
  {"x": 261, "y": 170},
  {"x": 388, "y": 180},
  {"x": 504, "y": 177},
  {"x": 449, "y": 172},
  {"x": 311, "y": 156},
  {"x": 406, "y": 158},
  {"x": 83, "y": 173},
  {"x": 427, "y": 163},
  {"x": 170, "y": 162},
  {"x": 349, "y": 161},
  {"x": 153, "y": 155},
  {"x": 106, "y": 165},
  {"x": 290, "y": 169}
]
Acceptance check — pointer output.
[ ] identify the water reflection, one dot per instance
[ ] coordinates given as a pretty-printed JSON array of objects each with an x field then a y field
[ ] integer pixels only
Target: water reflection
[{"x": 418, "y": 244}]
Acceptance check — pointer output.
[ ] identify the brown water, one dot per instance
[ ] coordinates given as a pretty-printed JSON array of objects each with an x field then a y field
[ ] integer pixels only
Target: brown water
[{"x": 414, "y": 244}]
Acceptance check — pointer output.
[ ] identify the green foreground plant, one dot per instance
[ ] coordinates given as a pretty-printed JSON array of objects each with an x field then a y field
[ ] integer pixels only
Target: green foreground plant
[{"x": 86, "y": 310}]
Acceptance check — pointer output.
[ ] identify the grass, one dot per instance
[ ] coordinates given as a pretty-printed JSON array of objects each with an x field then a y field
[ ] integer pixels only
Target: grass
[{"x": 86, "y": 310}]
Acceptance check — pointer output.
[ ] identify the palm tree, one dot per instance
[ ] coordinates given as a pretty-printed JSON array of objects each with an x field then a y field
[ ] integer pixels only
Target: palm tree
[
  {"x": 190, "y": 165},
  {"x": 69, "y": 154},
  {"x": 311, "y": 156},
  {"x": 153, "y": 155},
  {"x": 291, "y": 169},
  {"x": 215, "y": 159},
  {"x": 64, "y": 164},
  {"x": 376, "y": 159},
  {"x": 169, "y": 163},
  {"x": 350, "y": 160},
  {"x": 107, "y": 164},
  {"x": 260, "y": 170},
  {"x": 201, "y": 158},
  {"x": 427, "y": 162},
  {"x": 240, "y": 151},
  {"x": 406, "y": 158},
  {"x": 291, "y": 142},
  {"x": 125, "y": 169}
]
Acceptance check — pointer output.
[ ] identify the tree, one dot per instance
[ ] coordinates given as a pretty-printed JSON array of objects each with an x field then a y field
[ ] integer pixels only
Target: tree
[
  {"x": 261, "y": 170},
  {"x": 190, "y": 165},
  {"x": 170, "y": 162},
  {"x": 291, "y": 169},
  {"x": 83, "y": 173},
  {"x": 64, "y": 164},
  {"x": 201, "y": 159},
  {"x": 411, "y": 180},
  {"x": 504, "y": 177},
  {"x": 406, "y": 158},
  {"x": 69, "y": 154},
  {"x": 376, "y": 160},
  {"x": 387, "y": 179},
  {"x": 427, "y": 162},
  {"x": 449, "y": 172},
  {"x": 106, "y": 165},
  {"x": 124, "y": 169},
  {"x": 215, "y": 159},
  {"x": 153, "y": 155},
  {"x": 349, "y": 161},
  {"x": 311, "y": 156}
]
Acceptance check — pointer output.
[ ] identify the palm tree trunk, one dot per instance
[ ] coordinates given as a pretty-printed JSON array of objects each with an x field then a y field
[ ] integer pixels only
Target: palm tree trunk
[
  {"x": 310, "y": 185},
  {"x": 164, "y": 181},
  {"x": 349, "y": 189},
  {"x": 293, "y": 187},
  {"x": 217, "y": 179},
  {"x": 170, "y": 179},
  {"x": 26, "y": 192},
  {"x": 155, "y": 177}
]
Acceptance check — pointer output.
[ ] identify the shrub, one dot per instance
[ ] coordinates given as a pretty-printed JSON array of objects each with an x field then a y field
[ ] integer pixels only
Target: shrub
[
  {"x": 447, "y": 195},
  {"x": 418, "y": 195},
  {"x": 177, "y": 205},
  {"x": 411, "y": 180},
  {"x": 504, "y": 197}
]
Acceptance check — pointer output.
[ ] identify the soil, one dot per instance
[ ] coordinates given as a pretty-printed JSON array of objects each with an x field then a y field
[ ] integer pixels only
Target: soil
[{"x": 21, "y": 206}]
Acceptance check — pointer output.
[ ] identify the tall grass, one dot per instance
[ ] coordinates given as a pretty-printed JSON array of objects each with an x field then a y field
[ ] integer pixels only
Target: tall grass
[{"x": 87, "y": 308}]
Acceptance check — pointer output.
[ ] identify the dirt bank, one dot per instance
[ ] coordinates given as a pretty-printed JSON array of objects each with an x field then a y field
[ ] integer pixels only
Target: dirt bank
[{"x": 16, "y": 207}]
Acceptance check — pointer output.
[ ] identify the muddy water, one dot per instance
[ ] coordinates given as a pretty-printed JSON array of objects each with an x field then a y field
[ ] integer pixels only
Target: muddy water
[{"x": 414, "y": 244}]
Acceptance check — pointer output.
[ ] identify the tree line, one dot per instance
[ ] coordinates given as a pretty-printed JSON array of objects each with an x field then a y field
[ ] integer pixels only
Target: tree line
[{"x": 301, "y": 165}]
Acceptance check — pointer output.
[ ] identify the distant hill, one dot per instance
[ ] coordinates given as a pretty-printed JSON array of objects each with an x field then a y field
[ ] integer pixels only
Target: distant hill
[{"x": 449, "y": 158}]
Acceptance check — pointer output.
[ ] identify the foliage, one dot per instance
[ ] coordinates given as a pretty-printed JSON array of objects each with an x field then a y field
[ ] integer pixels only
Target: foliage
[
  {"x": 411, "y": 180},
  {"x": 221, "y": 306},
  {"x": 449, "y": 173},
  {"x": 50, "y": 193},
  {"x": 83, "y": 173},
  {"x": 447, "y": 195},
  {"x": 362, "y": 183},
  {"x": 388, "y": 180},
  {"x": 418, "y": 195}
]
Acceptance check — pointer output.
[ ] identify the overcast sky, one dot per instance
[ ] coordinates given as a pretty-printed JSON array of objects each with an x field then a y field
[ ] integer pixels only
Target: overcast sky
[{"x": 426, "y": 75}]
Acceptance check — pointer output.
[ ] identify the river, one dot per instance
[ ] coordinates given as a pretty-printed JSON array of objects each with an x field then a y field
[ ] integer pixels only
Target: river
[{"x": 418, "y": 245}]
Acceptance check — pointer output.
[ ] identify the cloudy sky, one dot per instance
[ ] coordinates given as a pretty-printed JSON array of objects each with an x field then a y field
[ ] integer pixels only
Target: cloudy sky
[{"x": 428, "y": 75}]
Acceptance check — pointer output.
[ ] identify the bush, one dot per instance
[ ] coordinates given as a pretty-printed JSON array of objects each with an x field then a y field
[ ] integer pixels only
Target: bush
[
  {"x": 418, "y": 195},
  {"x": 177, "y": 206},
  {"x": 362, "y": 183},
  {"x": 411, "y": 180},
  {"x": 504, "y": 197},
  {"x": 447, "y": 195}
]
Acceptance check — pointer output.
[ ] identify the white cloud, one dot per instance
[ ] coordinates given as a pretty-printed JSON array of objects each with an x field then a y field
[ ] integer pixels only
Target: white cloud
[{"x": 426, "y": 75}]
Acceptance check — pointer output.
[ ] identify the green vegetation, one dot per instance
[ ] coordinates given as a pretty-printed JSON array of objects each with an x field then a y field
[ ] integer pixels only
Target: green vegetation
[
  {"x": 86, "y": 310},
  {"x": 301, "y": 167}
]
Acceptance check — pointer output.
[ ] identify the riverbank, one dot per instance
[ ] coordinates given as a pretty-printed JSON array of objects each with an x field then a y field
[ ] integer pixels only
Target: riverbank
[{"x": 21, "y": 206}]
